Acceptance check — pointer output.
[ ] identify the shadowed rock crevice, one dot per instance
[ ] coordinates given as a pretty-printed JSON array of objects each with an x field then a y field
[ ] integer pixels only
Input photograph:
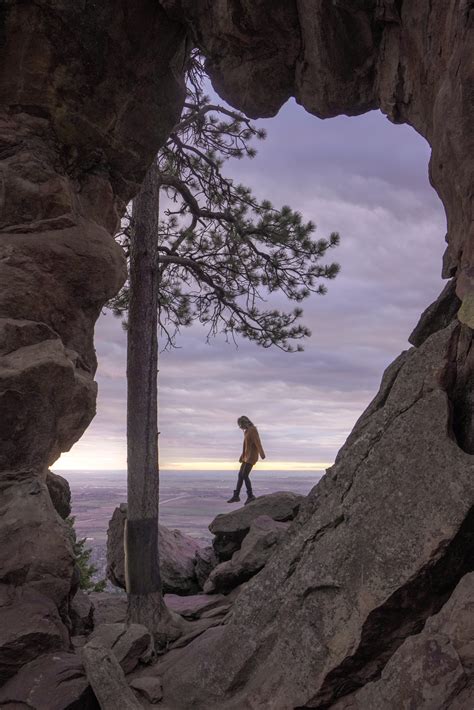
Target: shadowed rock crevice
[
  {"x": 458, "y": 380},
  {"x": 402, "y": 615},
  {"x": 437, "y": 316}
]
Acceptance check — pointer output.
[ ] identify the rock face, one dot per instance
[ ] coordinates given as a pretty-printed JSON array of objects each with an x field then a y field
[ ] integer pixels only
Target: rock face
[
  {"x": 257, "y": 547},
  {"x": 411, "y": 60},
  {"x": 67, "y": 166},
  {"x": 231, "y": 528},
  {"x": 130, "y": 643},
  {"x": 177, "y": 556},
  {"x": 434, "y": 669},
  {"x": 53, "y": 682},
  {"x": 352, "y": 594}
]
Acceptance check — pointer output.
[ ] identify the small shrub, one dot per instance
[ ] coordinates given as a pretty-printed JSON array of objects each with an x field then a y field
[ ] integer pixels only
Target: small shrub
[{"x": 86, "y": 569}]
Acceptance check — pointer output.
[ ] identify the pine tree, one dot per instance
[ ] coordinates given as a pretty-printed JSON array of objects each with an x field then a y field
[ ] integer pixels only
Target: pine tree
[
  {"x": 216, "y": 256},
  {"x": 220, "y": 251},
  {"x": 87, "y": 570}
]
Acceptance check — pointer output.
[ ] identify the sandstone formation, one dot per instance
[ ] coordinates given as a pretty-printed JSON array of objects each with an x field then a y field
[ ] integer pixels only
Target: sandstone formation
[
  {"x": 177, "y": 556},
  {"x": 231, "y": 528},
  {"x": 88, "y": 91},
  {"x": 257, "y": 547},
  {"x": 335, "y": 587},
  {"x": 434, "y": 669}
]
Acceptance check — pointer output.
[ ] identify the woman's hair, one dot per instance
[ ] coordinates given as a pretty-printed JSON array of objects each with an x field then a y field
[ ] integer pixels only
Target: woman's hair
[{"x": 244, "y": 422}]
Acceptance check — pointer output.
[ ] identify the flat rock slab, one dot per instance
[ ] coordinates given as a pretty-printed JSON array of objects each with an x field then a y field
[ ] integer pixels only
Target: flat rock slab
[
  {"x": 193, "y": 607},
  {"x": 231, "y": 528},
  {"x": 56, "y": 681},
  {"x": 129, "y": 643}
]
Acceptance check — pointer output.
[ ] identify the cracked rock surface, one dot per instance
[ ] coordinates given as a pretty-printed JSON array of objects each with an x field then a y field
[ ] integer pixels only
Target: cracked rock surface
[{"x": 379, "y": 546}]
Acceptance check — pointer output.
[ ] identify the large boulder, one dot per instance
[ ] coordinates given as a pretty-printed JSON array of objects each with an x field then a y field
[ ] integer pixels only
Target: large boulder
[
  {"x": 378, "y": 546},
  {"x": 230, "y": 529},
  {"x": 177, "y": 561},
  {"x": 30, "y": 626},
  {"x": 177, "y": 556},
  {"x": 258, "y": 546},
  {"x": 55, "y": 681},
  {"x": 433, "y": 670}
]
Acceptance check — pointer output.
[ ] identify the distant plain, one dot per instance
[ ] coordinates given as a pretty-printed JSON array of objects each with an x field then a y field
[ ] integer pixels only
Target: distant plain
[{"x": 189, "y": 500}]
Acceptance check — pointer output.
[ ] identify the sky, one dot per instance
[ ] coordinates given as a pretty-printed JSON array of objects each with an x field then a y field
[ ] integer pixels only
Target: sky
[{"x": 363, "y": 177}]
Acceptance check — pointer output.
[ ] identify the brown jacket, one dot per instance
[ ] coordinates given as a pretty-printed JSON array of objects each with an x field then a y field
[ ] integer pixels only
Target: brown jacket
[{"x": 252, "y": 447}]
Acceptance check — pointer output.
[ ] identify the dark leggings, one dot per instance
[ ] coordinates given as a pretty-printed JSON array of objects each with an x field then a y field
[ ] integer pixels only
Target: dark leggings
[{"x": 244, "y": 475}]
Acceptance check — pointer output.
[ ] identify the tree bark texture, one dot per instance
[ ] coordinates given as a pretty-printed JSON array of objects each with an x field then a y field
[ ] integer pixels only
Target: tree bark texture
[{"x": 145, "y": 603}]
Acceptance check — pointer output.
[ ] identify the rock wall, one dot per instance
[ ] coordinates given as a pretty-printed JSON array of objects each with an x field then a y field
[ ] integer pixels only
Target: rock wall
[{"x": 88, "y": 91}]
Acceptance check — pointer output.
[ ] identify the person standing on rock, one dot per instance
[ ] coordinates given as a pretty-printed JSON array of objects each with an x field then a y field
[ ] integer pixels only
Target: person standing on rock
[{"x": 252, "y": 449}]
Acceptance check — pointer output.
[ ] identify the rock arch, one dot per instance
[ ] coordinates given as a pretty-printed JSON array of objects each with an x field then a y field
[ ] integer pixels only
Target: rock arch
[{"x": 88, "y": 91}]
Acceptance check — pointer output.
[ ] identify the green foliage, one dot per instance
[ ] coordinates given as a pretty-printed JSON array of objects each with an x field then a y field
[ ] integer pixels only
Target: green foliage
[
  {"x": 82, "y": 555},
  {"x": 222, "y": 253}
]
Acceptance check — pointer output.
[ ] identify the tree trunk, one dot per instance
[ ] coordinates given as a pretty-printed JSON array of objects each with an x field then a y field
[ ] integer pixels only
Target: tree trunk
[{"x": 145, "y": 600}]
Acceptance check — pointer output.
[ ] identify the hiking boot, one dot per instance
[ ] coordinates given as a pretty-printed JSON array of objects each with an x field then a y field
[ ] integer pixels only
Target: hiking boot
[
  {"x": 250, "y": 498},
  {"x": 235, "y": 498}
]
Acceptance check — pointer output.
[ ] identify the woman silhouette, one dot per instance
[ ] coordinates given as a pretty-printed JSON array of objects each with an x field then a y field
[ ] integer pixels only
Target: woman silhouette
[{"x": 252, "y": 449}]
